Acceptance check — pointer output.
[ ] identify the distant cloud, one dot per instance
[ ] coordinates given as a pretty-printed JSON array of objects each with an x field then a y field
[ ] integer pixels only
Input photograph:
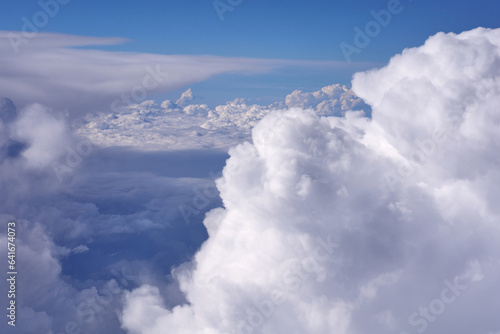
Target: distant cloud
[
  {"x": 333, "y": 100},
  {"x": 53, "y": 71},
  {"x": 47, "y": 71},
  {"x": 183, "y": 125},
  {"x": 185, "y": 98}
]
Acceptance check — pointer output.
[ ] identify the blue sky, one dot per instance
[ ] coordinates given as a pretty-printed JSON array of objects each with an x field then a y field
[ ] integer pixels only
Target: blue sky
[{"x": 281, "y": 29}]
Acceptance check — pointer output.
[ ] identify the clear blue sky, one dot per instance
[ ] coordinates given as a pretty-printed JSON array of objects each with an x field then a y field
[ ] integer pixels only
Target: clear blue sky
[{"x": 284, "y": 29}]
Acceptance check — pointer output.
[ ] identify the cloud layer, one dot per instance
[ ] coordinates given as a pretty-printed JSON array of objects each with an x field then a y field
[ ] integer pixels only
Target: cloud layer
[
  {"x": 186, "y": 124},
  {"x": 47, "y": 71},
  {"x": 52, "y": 70},
  {"x": 357, "y": 225}
]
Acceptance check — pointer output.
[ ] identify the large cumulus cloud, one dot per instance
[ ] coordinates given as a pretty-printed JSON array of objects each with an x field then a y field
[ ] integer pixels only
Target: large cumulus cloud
[{"x": 356, "y": 225}]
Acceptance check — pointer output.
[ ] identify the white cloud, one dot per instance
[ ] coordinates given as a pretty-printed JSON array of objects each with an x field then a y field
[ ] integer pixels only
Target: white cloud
[
  {"x": 351, "y": 225},
  {"x": 333, "y": 100},
  {"x": 49, "y": 70},
  {"x": 45, "y": 134},
  {"x": 185, "y": 98},
  {"x": 91, "y": 80},
  {"x": 181, "y": 125},
  {"x": 80, "y": 249}
]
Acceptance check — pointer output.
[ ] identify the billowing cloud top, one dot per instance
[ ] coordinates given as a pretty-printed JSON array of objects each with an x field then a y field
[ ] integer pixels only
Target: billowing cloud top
[{"x": 357, "y": 225}]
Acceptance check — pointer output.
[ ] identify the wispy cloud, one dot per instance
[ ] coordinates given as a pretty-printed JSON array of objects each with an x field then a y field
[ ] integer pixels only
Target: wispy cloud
[{"x": 51, "y": 71}]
